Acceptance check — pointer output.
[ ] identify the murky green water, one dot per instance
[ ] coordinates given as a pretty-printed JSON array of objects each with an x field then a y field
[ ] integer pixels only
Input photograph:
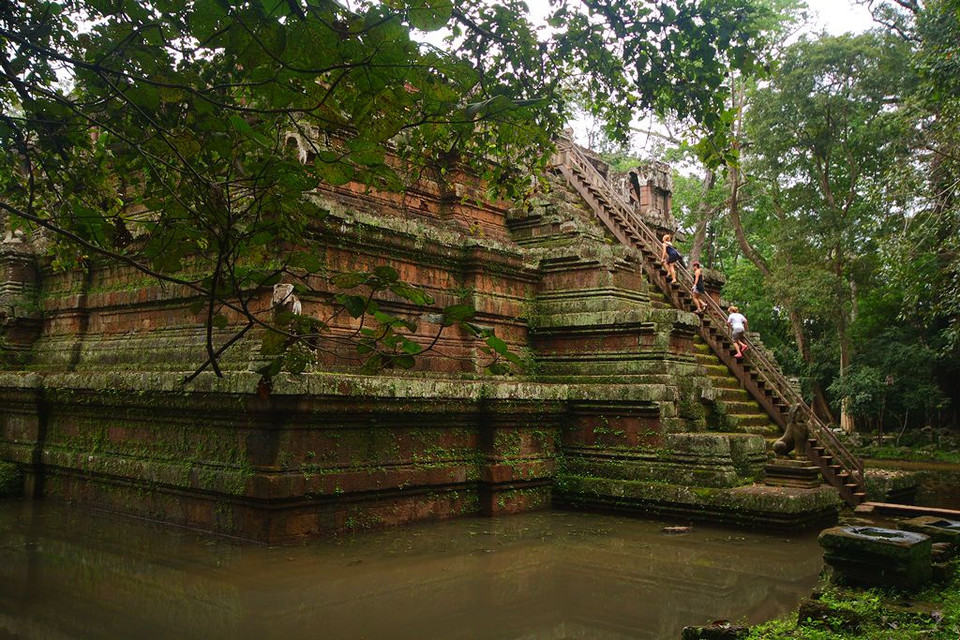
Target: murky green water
[{"x": 67, "y": 572}]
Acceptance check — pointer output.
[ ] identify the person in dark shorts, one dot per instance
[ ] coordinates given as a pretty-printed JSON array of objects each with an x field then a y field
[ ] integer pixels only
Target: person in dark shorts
[
  {"x": 670, "y": 256},
  {"x": 699, "y": 293}
]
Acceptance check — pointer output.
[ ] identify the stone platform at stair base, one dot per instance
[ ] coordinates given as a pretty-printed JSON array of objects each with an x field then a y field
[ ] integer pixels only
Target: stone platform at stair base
[
  {"x": 756, "y": 506},
  {"x": 327, "y": 453},
  {"x": 783, "y": 472},
  {"x": 684, "y": 459}
]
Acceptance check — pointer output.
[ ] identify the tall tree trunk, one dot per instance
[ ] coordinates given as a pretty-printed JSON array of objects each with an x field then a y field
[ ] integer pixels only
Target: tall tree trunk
[
  {"x": 847, "y": 423},
  {"x": 820, "y": 405},
  {"x": 733, "y": 211},
  {"x": 704, "y": 214}
]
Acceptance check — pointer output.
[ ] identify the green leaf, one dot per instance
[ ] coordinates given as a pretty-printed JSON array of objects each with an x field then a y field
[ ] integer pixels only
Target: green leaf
[
  {"x": 498, "y": 368},
  {"x": 414, "y": 294},
  {"x": 219, "y": 321},
  {"x": 272, "y": 368},
  {"x": 365, "y": 152},
  {"x": 385, "y": 318},
  {"x": 404, "y": 361},
  {"x": 273, "y": 343},
  {"x": 334, "y": 173},
  {"x": 205, "y": 17},
  {"x": 284, "y": 318},
  {"x": 309, "y": 262},
  {"x": 145, "y": 96},
  {"x": 429, "y": 15},
  {"x": 243, "y": 127},
  {"x": 411, "y": 347},
  {"x": 296, "y": 362},
  {"x": 350, "y": 279},
  {"x": 386, "y": 274},
  {"x": 355, "y": 305},
  {"x": 373, "y": 364},
  {"x": 497, "y": 345},
  {"x": 262, "y": 238},
  {"x": 457, "y": 313}
]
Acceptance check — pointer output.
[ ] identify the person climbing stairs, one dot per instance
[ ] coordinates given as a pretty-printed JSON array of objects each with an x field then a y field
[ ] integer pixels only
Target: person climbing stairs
[{"x": 757, "y": 374}]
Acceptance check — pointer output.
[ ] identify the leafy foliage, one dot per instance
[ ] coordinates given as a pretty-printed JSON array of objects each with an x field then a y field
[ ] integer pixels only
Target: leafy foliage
[
  {"x": 184, "y": 137},
  {"x": 846, "y": 200},
  {"x": 880, "y": 615}
]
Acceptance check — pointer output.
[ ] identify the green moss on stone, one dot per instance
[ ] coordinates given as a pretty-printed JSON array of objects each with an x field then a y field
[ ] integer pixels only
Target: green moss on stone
[{"x": 11, "y": 480}]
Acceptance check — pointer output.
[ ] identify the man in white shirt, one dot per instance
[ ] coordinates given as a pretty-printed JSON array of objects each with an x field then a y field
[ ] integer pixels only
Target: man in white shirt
[{"x": 738, "y": 325}]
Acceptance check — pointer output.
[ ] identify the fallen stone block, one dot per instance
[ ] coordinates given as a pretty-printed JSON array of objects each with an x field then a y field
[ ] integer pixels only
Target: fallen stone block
[
  {"x": 939, "y": 529},
  {"x": 876, "y": 557}
]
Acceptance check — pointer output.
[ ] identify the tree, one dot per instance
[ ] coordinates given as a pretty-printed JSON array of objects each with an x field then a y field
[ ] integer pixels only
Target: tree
[
  {"x": 155, "y": 134},
  {"x": 927, "y": 252},
  {"x": 826, "y": 135}
]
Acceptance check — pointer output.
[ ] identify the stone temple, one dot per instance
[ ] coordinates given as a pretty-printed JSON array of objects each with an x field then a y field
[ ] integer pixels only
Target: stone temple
[{"x": 629, "y": 402}]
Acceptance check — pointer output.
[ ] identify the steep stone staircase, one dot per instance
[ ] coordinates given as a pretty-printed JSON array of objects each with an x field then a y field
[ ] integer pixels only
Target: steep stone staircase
[
  {"x": 757, "y": 375},
  {"x": 742, "y": 412}
]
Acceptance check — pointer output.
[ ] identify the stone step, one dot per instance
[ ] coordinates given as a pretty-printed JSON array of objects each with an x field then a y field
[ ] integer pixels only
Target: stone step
[
  {"x": 708, "y": 361},
  {"x": 731, "y": 390},
  {"x": 724, "y": 383},
  {"x": 770, "y": 432},
  {"x": 702, "y": 347},
  {"x": 741, "y": 404},
  {"x": 750, "y": 419},
  {"x": 718, "y": 370}
]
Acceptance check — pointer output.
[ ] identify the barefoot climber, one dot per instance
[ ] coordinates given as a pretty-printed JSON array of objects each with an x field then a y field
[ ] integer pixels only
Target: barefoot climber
[
  {"x": 669, "y": 256},
  {"x": 698, "y": 291},
  {"x": 738, "y": 326}
]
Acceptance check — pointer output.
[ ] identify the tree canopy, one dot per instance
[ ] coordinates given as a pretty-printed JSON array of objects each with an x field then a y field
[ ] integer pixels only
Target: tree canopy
[
  {"x": 155, "y": 133},
  {"x": 837, "y": 224}
]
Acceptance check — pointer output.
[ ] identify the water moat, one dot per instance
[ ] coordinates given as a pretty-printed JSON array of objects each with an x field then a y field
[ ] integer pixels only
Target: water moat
[{"x": 67, "y": 572}]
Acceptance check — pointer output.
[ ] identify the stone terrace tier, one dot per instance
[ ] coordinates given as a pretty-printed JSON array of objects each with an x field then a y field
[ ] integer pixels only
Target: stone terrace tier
[{"x": 618, "y": 407}]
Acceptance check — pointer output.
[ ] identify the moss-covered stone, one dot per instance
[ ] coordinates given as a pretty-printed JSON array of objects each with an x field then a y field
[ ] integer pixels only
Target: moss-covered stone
[
  {"x": 750, "y": 505},
  {"x": 877, "y": 557},
  {"x": 888, "y": 485},
  {"x": 11, "y": 480}
]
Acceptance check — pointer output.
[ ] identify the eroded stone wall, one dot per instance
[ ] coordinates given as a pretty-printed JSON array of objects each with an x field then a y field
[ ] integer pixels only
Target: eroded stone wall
[{"x": 96, "y": 409}]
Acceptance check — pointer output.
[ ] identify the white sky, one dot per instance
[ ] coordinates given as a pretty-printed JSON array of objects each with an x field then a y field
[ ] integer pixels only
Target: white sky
[
  {"x": 839, "y": 16},
  {"x": 834, "y": 16},
  {"x": 831, "y": 16}
]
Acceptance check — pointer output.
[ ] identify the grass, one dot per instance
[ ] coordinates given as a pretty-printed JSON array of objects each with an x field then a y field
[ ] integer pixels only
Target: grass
[
  {"x": 857, "y": 614},
  {"x": 890, "y": 452}
]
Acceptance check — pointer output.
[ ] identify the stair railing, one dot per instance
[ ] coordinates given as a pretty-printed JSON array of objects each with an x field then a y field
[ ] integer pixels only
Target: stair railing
[{"x": 639, "y": 233}]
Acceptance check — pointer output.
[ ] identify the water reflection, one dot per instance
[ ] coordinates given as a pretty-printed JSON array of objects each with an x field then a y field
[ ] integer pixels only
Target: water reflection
[{"x": 72, "y": 573}]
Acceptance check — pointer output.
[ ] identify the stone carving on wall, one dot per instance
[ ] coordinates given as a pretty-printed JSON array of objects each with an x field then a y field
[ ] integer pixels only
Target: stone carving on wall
[{"x": 19, "y": 314}]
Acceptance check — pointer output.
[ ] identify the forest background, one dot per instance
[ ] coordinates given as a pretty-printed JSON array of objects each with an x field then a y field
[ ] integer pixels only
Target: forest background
[
  {"x": 155, "y": 134},
  {"x": 835, "y": 216}
]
